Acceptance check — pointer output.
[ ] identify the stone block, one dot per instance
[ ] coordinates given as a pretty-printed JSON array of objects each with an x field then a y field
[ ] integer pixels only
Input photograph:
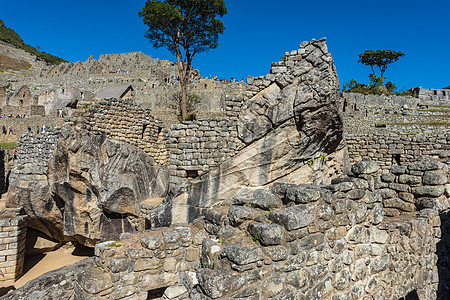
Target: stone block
[
  {"x": 242, "y": 255},
  {"x": 151, "y": 242},
  {"x": 294, "y": 217},
  {"x": 143, "y": 264}
]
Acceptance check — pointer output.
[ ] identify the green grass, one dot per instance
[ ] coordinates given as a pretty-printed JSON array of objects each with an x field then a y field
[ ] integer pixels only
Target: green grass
[
  {"x": 431, "y": 110},
  {"x": 8, "y": 146},
  {"x": 417, "y": 123}
]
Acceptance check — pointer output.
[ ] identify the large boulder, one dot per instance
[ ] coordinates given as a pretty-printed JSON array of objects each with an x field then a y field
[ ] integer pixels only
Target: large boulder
[
  {"x": 89, "y": 188},
  {"x": 292, "y": 128}
]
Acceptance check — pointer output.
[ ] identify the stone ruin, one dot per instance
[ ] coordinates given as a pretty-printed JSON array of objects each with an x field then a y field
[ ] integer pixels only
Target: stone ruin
[
  {"x": 53, "y": 88},
  {"x": 258, "y": 204}
]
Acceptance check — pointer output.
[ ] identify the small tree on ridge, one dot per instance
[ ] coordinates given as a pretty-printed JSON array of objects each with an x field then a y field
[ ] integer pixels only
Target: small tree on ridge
[
  {"x": 188, "y": 25},
  {"x": 379, "y": 58}
]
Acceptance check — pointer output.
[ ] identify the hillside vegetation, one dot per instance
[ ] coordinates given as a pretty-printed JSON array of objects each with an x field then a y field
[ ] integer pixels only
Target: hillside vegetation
[{"x": 8, "y": 35}]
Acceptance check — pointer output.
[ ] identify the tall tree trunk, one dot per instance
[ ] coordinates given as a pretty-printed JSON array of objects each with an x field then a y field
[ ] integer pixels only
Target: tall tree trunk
[{"x": 181, "y": 72}]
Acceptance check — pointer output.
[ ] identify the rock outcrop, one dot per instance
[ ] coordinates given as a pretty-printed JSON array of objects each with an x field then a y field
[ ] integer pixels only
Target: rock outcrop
[
  {"x": 83, "y": 186},
  {"x": 292, "y": 121},
  {"x": 336, "y": 241}
]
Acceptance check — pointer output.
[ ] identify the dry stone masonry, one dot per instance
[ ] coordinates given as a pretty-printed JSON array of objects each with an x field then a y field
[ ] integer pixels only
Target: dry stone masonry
[
  {"x": 394, "y": 130},
  {"x": 335, "y": 241},
  {"x": 261, "y": 204},
  {"x": 125, "y": 121},
  {"x": 12, "y": 245}
]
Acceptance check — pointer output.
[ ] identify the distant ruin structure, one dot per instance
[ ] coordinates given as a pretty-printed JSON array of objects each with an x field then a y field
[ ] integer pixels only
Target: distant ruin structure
[{"x": 432, "y": 94}]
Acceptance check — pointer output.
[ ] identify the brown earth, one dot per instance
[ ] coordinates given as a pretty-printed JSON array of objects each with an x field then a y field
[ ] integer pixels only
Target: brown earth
[{"x": 10, "y": 63}]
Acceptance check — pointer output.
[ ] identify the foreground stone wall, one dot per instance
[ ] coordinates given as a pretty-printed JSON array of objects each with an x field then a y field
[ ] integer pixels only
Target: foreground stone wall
[
  {"x": 336, "y": 241},
  {"x": 12, "y": 246}
]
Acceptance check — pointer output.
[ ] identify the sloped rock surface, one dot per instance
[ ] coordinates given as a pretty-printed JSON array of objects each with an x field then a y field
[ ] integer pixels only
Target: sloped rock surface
[
  {"x": 307, "y": 91},
  {"x": 292, "y": 121},
  {"x": 90, "y": 189},
  {"x": 59, "y": 284}
]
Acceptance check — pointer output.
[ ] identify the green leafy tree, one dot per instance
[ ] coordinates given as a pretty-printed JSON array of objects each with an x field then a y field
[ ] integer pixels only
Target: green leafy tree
[
  {"x": 379, "y": 58},
  {"x": 390, "y": 87},
  {"x": 192, "y": 101},
  {"x": 185, "y": 28}
]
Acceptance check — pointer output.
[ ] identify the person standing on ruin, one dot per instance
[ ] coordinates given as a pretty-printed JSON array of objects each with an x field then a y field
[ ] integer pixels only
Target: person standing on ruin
[
  {"x": 4, "y": 130},
  {"x": 37, "y": 129},
  {"x": 11, "y": 130},
  {"x": 29, "y": 128}
]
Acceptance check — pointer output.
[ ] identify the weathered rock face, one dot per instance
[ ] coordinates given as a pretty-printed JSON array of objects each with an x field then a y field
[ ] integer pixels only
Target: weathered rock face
[
  {"x": 289, "y": 242},
  {"x": 292, "y": 121},
  {"x": 90, "y": 189},
  {"x": 305, "y": 89}
]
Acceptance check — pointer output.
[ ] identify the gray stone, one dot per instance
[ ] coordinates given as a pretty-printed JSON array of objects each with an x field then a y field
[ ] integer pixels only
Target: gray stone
[
  {"x": 151, "y": 242},
  {"x": 303, "y": 194},
  {"x": 242, "y": 255},
  {"x": 118, "y": 264},
  {"x": 294, "y": 217},
  {"x": 238, "y": 214},
  {"x": 399, "y": 204},
  {"x": 437, "y": 177},
  {"x": 426, "y": 165},
  {"x": 298, "y": 279},
  {"x": 409, "y": 179},
  {"x": 378, "y": 264},
  {"x": 215, "y": 216},
  {"x": 428, "y": 191},
  {"x": 276, "y": 253},
  {"x": 397, "y": 170},
  {"x": 218, "y": 283},
  {"x": 388, "y": 177},
  {"x": 266, "y": 200},
  {"x": 268, "y": 234},
  {"x": 312, "y": 241},
  {"x": 365, "y": 167}
]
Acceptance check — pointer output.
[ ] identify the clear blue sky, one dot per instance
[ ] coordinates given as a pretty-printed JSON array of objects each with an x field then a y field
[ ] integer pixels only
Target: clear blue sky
[{"x": 257, "y": 33}]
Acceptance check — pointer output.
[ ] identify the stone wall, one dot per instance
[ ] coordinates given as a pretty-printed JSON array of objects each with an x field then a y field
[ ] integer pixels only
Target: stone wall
[
  {"x": 390, "y": 149},
  {"x": 394, "y": 130},
  {"x": 196, "y": 147},
  {"x": 20, "y": 126},
  {"x": 123, "y": 120},
  {"x": 12, "y": 246},
  {"x": 36, "y": 149},
  {"x": 364, "y": 236}
]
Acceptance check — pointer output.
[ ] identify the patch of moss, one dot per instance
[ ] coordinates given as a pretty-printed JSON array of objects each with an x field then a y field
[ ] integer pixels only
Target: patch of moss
[{"x": 8, "y": 146}]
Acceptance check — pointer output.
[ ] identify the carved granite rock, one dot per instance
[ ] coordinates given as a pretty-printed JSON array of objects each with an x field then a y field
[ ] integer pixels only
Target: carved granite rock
[{"x": 89, "y": 189}]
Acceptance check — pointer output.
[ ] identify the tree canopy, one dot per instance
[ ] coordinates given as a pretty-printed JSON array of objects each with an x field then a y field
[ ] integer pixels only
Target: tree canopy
[
  {"x": 185, "y": 28},
  {"x": 379, "y": 58}
]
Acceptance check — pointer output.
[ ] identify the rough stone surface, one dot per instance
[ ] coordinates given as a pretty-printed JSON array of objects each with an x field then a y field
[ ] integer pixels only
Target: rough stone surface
[{"x": 91, "y": 187}]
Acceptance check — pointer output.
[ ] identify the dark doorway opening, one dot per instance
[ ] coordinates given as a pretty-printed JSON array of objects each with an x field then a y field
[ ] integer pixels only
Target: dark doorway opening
[{"x": 156, "y": 293}]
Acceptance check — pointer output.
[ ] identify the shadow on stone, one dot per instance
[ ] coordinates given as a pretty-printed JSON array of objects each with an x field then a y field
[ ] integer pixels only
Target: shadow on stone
[
  {"x": 411, "y": 296},
  {"x": 443, "y": 262},
  {"x": 6, "y": 290}
]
